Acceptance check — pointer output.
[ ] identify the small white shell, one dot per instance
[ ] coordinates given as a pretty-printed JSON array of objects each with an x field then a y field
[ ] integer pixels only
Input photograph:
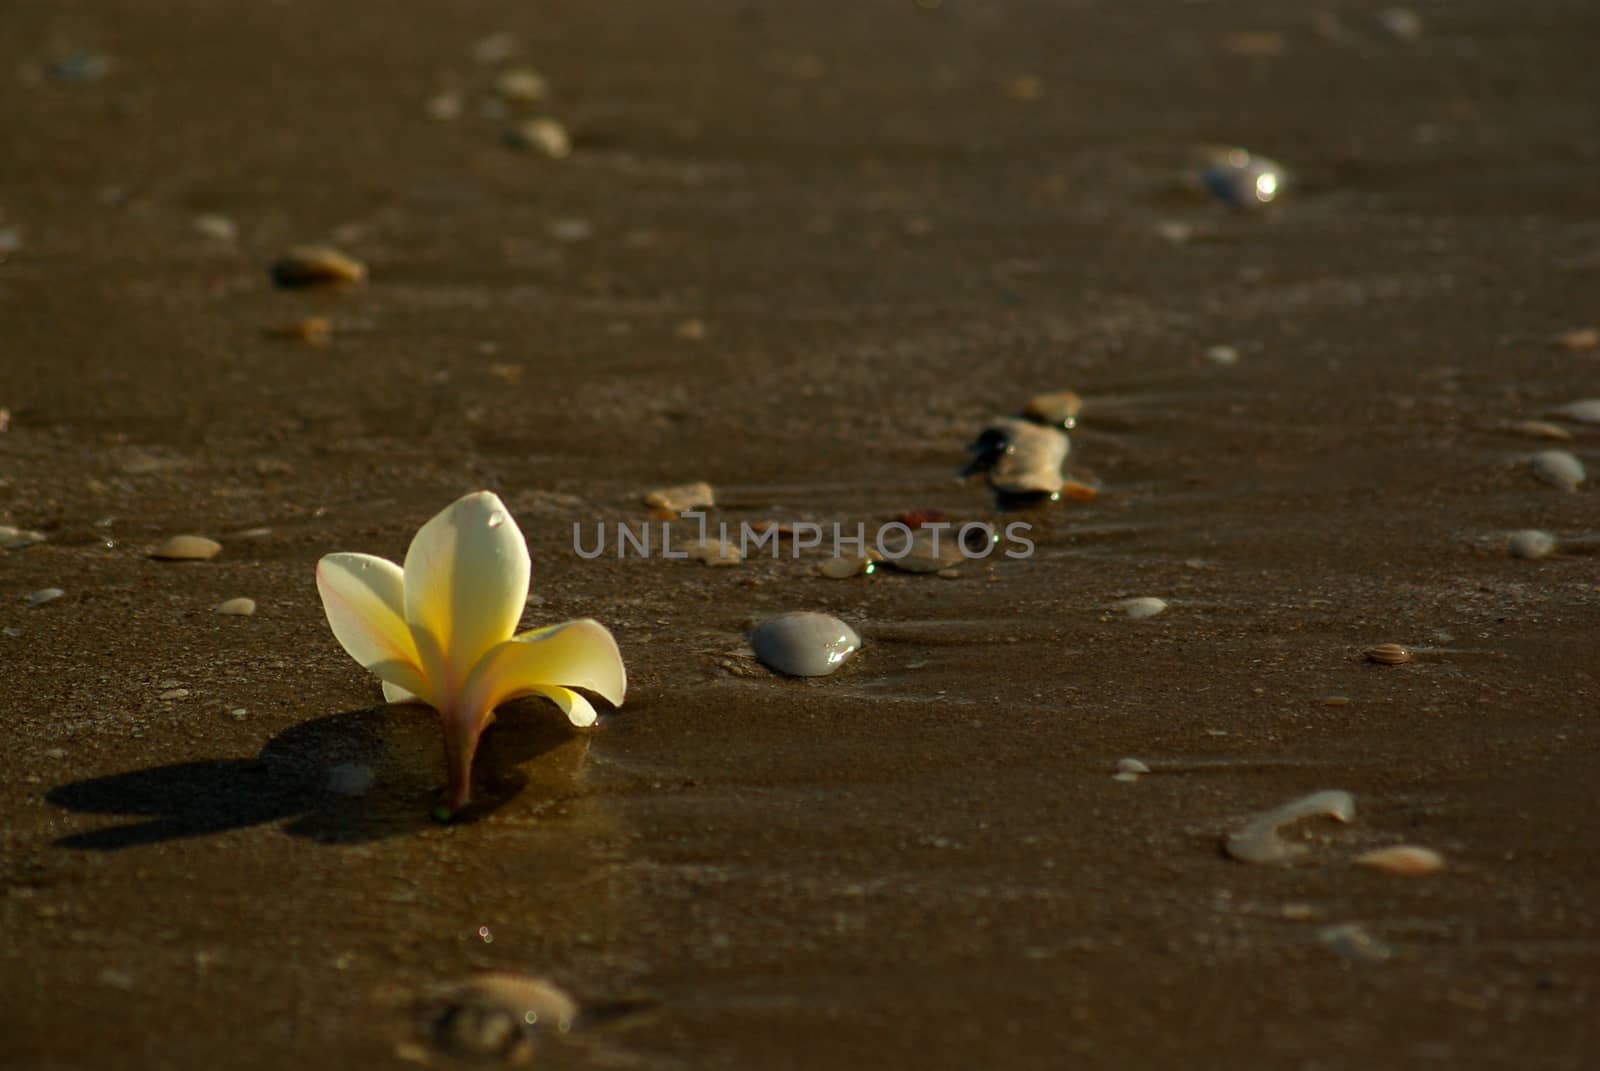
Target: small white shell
[
  {"x": 43, "y": 595},
  {"x": 1408, "y": 859},
  {"x": 187, "y": 548},
  {"x": 1142, "y": 607},
  {"x": 1584, "y": 412},
  {"x": 1558, "y": 468},
  {"x": 1259, "y": 842},
  {"x": 1531, "y": 544},
  {"x": 240, "y": 607},
  {"x": 1132, "y": 766}
]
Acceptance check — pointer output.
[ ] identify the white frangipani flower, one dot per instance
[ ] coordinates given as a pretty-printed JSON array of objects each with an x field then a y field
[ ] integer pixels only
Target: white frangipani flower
[{"x": 440, "y": 631}]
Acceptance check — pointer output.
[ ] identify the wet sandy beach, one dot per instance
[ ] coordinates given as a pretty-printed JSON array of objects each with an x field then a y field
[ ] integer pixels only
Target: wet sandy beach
[{"x": 804, "y": 252}]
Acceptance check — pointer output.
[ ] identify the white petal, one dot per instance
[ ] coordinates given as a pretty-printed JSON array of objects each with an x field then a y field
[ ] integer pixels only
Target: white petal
[
  {"x": 574, "y": 654},
  {"x": 395, "y": 694},
  {"x": 362, "y": 597},
  {"x": 466, "y": 582},
  {"x": 577, "y": 709}
]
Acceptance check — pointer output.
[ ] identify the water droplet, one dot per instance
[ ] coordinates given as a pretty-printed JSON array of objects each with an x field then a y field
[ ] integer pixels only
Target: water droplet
[{"x": 496, "y": 519}]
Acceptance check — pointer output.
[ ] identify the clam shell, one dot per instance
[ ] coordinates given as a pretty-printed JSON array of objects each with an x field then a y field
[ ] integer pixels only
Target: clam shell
[
  {"x": 1389, "y": 654},
  {"x": 317, "y": 265},
  {"x": 498, "y": 1014},
  {"x": 1584, "y": 412},
  {"x": 1259, "y": 841},
  {"x": 1021, "y": 458},
  {"x": 1558, "y": 468},
  {"x": 181, "y": 548},
  {"x": 804, "y": 644},
  {"x": 17, "y": 538},
  {"x": 43, "y": 595},
  {"x": 1408, "y": 859}
]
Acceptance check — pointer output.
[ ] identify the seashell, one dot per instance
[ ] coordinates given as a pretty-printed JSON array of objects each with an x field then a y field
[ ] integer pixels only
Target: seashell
[
  {"x": 842, "y": 568},
  {"x": 1057, "y": 409},
  {"x": 1132, "y": 766},
  {"x": 1021, "y": 458},
  {"x": 1389, "y": 654},
  {"x": 1407, "y": 859},
  {"x": 804, "y": 644},
  {"x": 1540, "y": 429},
  {"x": 240, "y": 607},
  {"x": 1531, "y": 544},
  {"x": 313, "y": 331},
  {"x": 713, "y": 552},
  {"x": 217, "y": 228},
  {"x": 682, "y": 497},
  {"x": 524, "y": 85},
  {"x": 187, "y": 548},
  {"x": 1142, "y": 607},
  {"x": 1351, "y": 941},
  {"x": 498, "y": 1014},
  {"x": 1585, "y": 412},
  {"x": 1241, "y": 179},
  {"x": 931, "y": 550},
  {"x": 1227, "y": 356},
  {"x": 42, "y": 596},
  {"x": 17, "y": 538},
  {"x": 1259, "y": 842},
  {"x": 1401, "y": 23},
  {"x": 317, "y": 265},
  {"x": 543, "y": 135},
  {"x": 1579, "y": 338},
  {"x": 1558, "y": 468}
]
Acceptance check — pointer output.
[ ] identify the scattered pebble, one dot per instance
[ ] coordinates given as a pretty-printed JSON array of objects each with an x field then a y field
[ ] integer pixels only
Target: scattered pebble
[
  {"x": 1226, "y": 356},
  {"x": 522, "y": 85},
  {"x": 116, "y": 979},
  {"x": 1531, "y": 544},
  {"x": 1140, "y": 608},
  {"x": 1407, "y": 859},
  {"x": 844, "y": 567},
  {"x": 1401, "y": 23},
  {"x": 444, "y": 107},
  {"x": 79, "y": 68},
  {"x": 544, "y": 135},
  {"x": 1558, "y": 468},
  {"x": 1389, "y": 654},
  {"x": 42, "y": 596},
  {"x": 691, "y": 330},
  {"x": 240, "y": 607},
  {"x": 804, "y": 644},
  {"x": 495, "y": 48},
  {"x": 714, "y": 552},
  {"x": 1585, "y": 412},
  {"x": 1540, "y": 429},
  {"x": 931, "y": 551},
  {"x": 498, "y": 1014},
  {"x": 317, "y": 265},
  {"x": 1022, "y": 459},
  {"x": 313, "y": 331},
  {"x": 1259, "y": 841},
  {"x": 175, "y": 693},
  {"x": 350, "y": 779},
  {"x": 187, "y": 548},
  {"x": 17, "y": 538},
  {"x": 1058, "y": 409},
  {"x": 571, "y": 229},
  {"x": 1351, "y": 941},
  {"x": 682, "y": 497},
  {"x": 1579, "y": 338},
  {"x": 1241, "y": 179},
  {"x": 217, "y": 228},
  {"x": 1133, "y": 766},
  {"x": 10, "y": 241}
]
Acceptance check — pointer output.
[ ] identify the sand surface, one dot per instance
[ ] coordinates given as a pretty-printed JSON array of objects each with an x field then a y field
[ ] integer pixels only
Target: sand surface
[{"x": 803, "y": 251}]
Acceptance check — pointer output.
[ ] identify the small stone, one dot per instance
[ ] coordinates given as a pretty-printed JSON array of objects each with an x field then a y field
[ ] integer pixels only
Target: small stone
[
  {"x": 1241, "y": 179},
  {"x": 1584, "y": 412},
  {"x": 238, "y": 713},
  {"x": 682, "y": 497},
  {"x": 1026, "y": 87},
  {"x": 42, "y": 596},
  {"x": 116, "y": 979},
  {"x": 844, "y": 567},
  {"x": 175, "y": 693},
  {"x": 1226, "y": 356},
  {"x": 217, "y": 228},
  {"x": 571, "y": 230},
  {"x": 522, "y": 85},
  {"x": 1058, "y": 409},
  {"x": 1580, "y": 338},
  {"x": 1401, "y": 23},
  {"x": 10, "y": 241},
  {"x": 1389, "y": 654},
  {"x": 350, "y": 779},
  {"x": 1558, "y": 468},
  {"x": 79, "y": 68},
  {"x": 691, "y": 330},
  {"x": 713, "y": 552},
  {"x": 1351, "y": 941},
  {"x": 444, "y": 107},
  {"x": 240, "y": 607},
  {"x": 317, "y": 265},
  {"x": 1407, "y": 859},
  {"x": 313, "y": 331},
  {"x": 1132, "y": 766},
  {"x": 543, "y": 135},
  {"x": 1022, "y": 458},
  {"x": 496, "y": 47},
  {"x": 804, "y": 644},
  {"x": 187, "y": 548},
  {"x": 1540, "y": 429},
  {"x": 1531, "y": 544},
  {"x": 14, "y": 633},
  {"x": 1335, "y": 700},
  {"x": 1140, "y": 608},
  {"x": 17, "y": 538},
  {"x": 55, "y": 752}
]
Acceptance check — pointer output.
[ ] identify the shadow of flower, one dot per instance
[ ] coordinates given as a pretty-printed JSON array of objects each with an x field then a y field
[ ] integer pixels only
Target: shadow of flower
[{"x": 345, "y": 778}]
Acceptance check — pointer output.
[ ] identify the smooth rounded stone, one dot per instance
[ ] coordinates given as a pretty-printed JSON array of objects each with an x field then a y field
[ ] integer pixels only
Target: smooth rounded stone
[
  {"x": 571, "y": 229},
  {"x": 1579, "y": 338},
  {"x": 1022, "y": 458},
  {"x": 79, "y": 68},
  {"x": 804, "y": 644},
  {"x": 498, "y": 1014},
  {"x": 42, "y": 596},
  {"x": 1558, "y": 468},
  {"x": 682, "y": 497},
  {"x": 1401, "y": 23},
  {"x": 240, "y": 607},
  {"x": 1585, "y": 412},
  {"x": 1389, "y": 654},
  {"x": 1140, "y": 608},
  {"x": 524, "y": 85},
  {"x": 544, "y": 135},
  {"x": 1227, "y": 356},
  {"x": 444, "y": 106},
  {"x": 495, "y": 47},
  {"x": 17, "y": 538},
  {"x": 1409, "y": 860},
  {"x": 1351, "y": 941},
  {"x": 317, "y": 265},
  {"x": 312, "y": 330},
  {"x": 1259, "y": 841},
  {"x": 217, "y": 228},
  {"x": 713, "y": 552},
  {"x": 1241, "y": 179},
  {"x": 1531, "y": 544},
  {"x": 182, "y": 548},
  {"x": 1057, "y": 409},
  {"x": 844, "y": 567},
  {"x": 350, "y": 779}
]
